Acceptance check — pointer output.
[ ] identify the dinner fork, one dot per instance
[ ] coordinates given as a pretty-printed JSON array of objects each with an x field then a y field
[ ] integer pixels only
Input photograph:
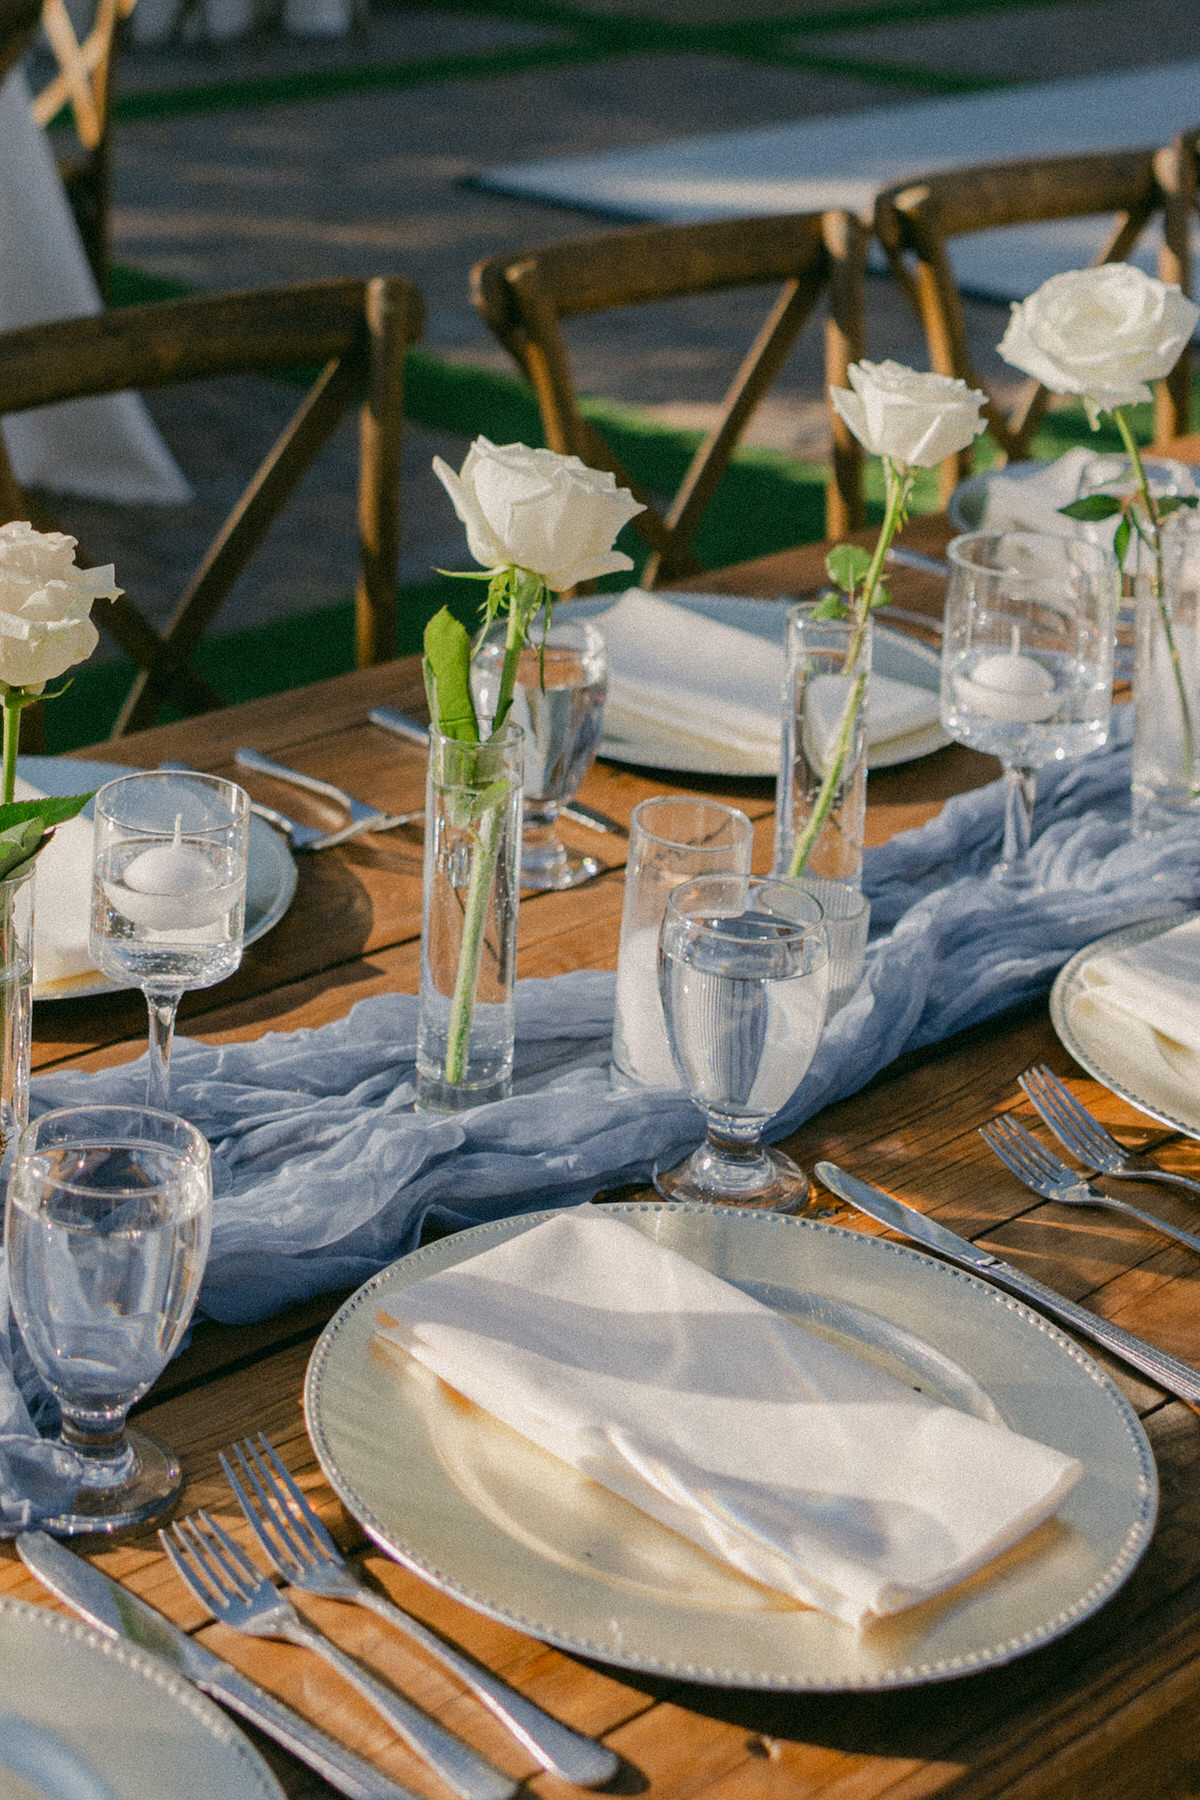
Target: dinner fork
[
  {"x": 294, "y": 1540},
  {"x": 1085, "y": 1137},
  {"x": 234, "y": 1590},
  {"x": 1042, "y": 1171}
]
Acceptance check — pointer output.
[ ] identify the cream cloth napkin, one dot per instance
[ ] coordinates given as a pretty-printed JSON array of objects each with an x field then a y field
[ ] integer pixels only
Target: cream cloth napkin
[
  {"x": 1027, "y": 498},
  {"x": 1138, "y": 1008},
  {"x": 795, "y": 1462},
  {"x": 679, "y": 681},
  {"x": 62, "y": 899}
]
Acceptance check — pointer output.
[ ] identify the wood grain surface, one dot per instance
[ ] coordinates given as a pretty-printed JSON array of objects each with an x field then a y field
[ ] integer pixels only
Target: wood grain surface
[{"x": 1107, "y": 1711}]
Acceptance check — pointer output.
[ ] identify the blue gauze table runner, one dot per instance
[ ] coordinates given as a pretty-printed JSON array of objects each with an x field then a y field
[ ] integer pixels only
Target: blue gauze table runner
[{"x": 328, "y": 1175}]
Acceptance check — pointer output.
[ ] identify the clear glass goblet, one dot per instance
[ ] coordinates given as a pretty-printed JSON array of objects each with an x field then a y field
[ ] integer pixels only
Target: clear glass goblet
[
  {"x": 168, "y": 893},
  {"x": 1027, "y": 662},
  {"x": 106, "y": 1232},
  {"x": 562, "y": 679},
  {"x": 744, "y": 975}
]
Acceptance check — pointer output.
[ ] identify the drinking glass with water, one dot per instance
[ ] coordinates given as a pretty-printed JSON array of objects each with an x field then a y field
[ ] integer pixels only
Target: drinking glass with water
[
  {"x": 106, "y": 1233},
  {"x": 744, "y": 978}
]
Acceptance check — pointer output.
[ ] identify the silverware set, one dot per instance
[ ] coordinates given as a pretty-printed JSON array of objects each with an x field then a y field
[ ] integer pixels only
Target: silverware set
[
  {"x": 233, "y": 1588},
  {"x": 1089, "y": 1142}
]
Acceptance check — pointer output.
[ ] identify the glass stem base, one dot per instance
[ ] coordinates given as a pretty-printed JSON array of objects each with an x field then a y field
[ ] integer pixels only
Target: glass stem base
[
  {"x": 1020, "y": 790},
  {"x": 729, "y": 1173},
  {"x": 123, "y": 1481}
]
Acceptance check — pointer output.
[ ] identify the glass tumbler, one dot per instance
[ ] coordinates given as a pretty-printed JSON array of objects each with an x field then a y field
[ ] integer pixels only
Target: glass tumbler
[
  {"x": 106, "y": 1234},
  {"x": 670, "y": 838}
]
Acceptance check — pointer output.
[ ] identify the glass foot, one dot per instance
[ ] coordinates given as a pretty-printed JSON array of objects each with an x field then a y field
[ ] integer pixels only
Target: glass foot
[
  {"x": 148, "y": 1479},
  {"x": 566, "y": 871},
  {"x": 762, "y": 1178}
]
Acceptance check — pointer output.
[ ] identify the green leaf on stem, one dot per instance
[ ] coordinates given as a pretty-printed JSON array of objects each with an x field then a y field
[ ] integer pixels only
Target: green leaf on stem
[
  {"x": 1171, "y": 503},
  {"x": 846, "y": 565},
  {"x": 447, "y": 670},
  {"x": 1094, "y": 506},
  {"x": 1121, "y": 539},
  {"x": 880, "y": 597},
  {"x": 831, "y": 606}
]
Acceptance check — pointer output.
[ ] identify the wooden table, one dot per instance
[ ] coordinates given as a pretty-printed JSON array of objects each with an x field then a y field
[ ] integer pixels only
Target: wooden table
[{"x": 1108, "y": 1710}]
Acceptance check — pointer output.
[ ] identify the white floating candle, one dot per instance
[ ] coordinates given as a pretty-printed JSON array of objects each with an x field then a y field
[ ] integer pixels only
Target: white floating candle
[
  {"x": 1008, "y": 686},
  {"x": 172, "y": 886}
]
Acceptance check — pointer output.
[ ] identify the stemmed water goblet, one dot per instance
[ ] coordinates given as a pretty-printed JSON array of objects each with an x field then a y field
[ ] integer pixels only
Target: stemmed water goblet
[
  {"x": 1027, "y": 662},
  {"x": 106, "y": 1233},
  {"x": 562, "y": 678},
  {"x": 744, "y": 979},
  {"x": 168, "y": 893}
]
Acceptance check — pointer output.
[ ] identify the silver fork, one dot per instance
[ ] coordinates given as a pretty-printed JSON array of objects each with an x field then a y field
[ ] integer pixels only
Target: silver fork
[
  {"x": 1042, "y": 1171},
  {"x": 296, "y": 1543},
  {"x": 1085, "y": 1137},
  {"x": 223, "y": 1579}
]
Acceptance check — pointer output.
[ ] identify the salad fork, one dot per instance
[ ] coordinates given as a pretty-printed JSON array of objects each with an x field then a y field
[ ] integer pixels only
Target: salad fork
[
  {"x": 294, "y": 1540},
  {"x": 1042, "y": 1171},
  {"x": 1085, "y": 1137},
  {"x": 223, "y": 1579}
]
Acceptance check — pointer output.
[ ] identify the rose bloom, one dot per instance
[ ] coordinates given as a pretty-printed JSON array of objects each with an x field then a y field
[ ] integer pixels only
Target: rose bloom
[
  {"x": 536, "y": 510},
  {"x": 908, "y": 415},
  {"x": 1101, "y": 333},
  {"x": 44, "y": 605}
]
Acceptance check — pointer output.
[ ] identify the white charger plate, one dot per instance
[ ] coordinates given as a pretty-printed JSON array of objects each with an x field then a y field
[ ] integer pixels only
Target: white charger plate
[
  {"x": 894, "y": 653},
  {"x": 113, "y": 1722},
  {"x": 488, "y": 1517},
  {"x": 270, "y": 872},
  {"x": 1135, "y": 1068}
]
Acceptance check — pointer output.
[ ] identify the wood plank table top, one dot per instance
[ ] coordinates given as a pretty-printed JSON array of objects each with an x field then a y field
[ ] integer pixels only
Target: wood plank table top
[{"x": 1108, "y": 1709}]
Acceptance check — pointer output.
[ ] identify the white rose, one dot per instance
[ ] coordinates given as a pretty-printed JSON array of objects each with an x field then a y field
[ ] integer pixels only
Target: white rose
[
  {"x": 908, "y": 415},
  {"x": 536, "y": 510},
  {"x": 1102, "y": 333},
  {"x": 44, "y": 605}
]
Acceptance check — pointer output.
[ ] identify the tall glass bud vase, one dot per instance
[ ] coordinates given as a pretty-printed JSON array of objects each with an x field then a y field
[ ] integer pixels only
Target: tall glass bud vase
[
  {"x": 821, "y": 797},
  {"x": 16, "y": 961},
  {"x": 469, "y": 921},
  {"x": 1166, "y": 682}
]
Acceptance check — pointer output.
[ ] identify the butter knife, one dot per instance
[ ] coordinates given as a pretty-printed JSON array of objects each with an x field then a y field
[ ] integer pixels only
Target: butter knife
[
  {"x": 120, "y": 1614},
  {"x": 1167, "y": 1371},
  {"x": 403, "y": 725},
  {"x": 363, "y": 817}
]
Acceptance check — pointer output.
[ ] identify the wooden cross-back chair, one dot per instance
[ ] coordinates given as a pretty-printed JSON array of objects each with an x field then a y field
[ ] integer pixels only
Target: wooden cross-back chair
[
  {"x": 83, "y": 82},
  {"x": 524, "y": 298},
  {"x": 915, "y": 221},
  {"x": 356, "y": 334}
]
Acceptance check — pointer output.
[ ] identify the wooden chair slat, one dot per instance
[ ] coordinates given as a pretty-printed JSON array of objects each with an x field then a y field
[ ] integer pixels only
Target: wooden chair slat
[
  {"x": 525, "y": 297},
  {"x": 358, "y": 332},
  {"x": 915, "y": 221}
]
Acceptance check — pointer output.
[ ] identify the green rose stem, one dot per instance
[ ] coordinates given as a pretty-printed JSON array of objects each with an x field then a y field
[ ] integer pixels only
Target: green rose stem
[
  {"x": 522, "y": 593},
  {"x": 1155, "y": 542},
  {"x": 14, "y": 702},
  {"x": 898, "y": 479}
]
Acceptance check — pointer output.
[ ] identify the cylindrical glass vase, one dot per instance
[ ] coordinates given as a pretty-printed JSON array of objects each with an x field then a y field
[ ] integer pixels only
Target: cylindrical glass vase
[
  {"x": 16, "y": 998},
  {"x": 821, "y": 796},
  {"x": 469, "y": 921},
  {"x": 1166, "y": 681}
]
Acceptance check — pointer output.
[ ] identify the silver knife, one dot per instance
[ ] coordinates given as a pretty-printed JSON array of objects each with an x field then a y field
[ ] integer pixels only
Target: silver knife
[
  {"x": 403, "y": 725},
  {"x": 363, "y": 817},
  {"x": 1168, "y": 1371},
  {"x": 120, "y": 1614}
]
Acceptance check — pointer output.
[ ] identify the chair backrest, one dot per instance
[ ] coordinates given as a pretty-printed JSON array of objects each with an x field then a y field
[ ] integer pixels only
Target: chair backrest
[
  {"x": 524, "y": 298},
  {"x": 83, "y": 81},
  {"x": 355, "y": 332},
  {"x": 915, "y": 220}
]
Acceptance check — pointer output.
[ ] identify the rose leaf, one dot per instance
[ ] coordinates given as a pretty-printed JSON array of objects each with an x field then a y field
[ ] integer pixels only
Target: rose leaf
[
  {"x": 846, "y": 565},
  {"x": 448, "y": 677}
]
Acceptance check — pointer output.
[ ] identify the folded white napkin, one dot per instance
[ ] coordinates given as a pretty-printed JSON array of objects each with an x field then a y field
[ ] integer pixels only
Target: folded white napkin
[
  {"x": 1138, "y": 1008},
  {"x": 680, "y": 681},
  {"x": 801, "y": 1466},
  {"x": 1027, "y": 496},
  {"x": 62, "y": 899}
]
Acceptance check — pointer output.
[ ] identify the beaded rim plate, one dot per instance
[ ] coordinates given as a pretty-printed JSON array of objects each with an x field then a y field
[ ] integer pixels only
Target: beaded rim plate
[
  {"x": 493, "y": 1520},
  {"x": 1126, "y": 1071},
  {"x": 83, "y": 1689}
]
